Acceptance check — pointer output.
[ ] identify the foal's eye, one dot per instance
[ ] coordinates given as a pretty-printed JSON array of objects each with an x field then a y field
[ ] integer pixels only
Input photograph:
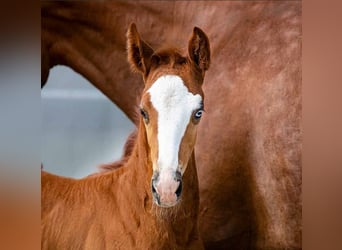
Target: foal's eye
[
  {"x": 198, "y": 114},
  {"x": 144, "y": 115}
]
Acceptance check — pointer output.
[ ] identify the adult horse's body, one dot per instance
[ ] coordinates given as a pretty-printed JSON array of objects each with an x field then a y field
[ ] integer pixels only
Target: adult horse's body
[
  {"x": 152, "y": 202},
  {"x": 249, "y": 144}
]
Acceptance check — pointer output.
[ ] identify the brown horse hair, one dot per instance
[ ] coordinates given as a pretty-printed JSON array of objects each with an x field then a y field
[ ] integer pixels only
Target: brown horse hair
[
  {"x": 248, "y": 149},
  {"x": 93, "y": 212}
]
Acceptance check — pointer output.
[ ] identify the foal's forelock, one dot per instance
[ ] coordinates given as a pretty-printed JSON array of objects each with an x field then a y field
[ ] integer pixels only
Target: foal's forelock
[{"x": 174, "y": 104}]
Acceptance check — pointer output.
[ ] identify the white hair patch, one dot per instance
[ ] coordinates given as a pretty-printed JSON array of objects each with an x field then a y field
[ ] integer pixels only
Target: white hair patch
[{"x": 174, "y": 105}]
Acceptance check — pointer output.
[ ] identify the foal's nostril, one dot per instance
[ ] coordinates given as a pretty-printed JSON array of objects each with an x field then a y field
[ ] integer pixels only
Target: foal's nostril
[
  {"x": 154, "y": 192},
  {"x": 153, "y": 182},
  {"x": 179, "y": 189},
  {"x": 153, "y": 188},
  {"x": 178, "y": 178}
]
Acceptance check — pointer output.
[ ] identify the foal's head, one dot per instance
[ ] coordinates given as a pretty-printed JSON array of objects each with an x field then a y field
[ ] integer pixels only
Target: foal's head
[{"x": 171, "y": 107}]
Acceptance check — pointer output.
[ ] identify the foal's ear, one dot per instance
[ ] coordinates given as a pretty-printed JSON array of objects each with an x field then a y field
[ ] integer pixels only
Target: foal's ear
[
  {"x": 139, "y": 52},
  {"x": 199, "y": 49}
]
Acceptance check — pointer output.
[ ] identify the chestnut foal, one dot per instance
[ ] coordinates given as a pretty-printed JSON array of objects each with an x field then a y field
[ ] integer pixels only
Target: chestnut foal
[{"x": 152, "y": 202}]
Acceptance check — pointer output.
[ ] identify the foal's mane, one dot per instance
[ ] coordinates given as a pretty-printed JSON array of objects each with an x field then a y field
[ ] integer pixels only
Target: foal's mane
[
  {"x": 169, "y": 55},
  {"x": 128, "y": 149}
]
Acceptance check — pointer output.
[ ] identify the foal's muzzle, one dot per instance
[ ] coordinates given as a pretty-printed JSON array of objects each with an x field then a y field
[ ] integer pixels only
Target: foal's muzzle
[{"x": 166, "y": 188}]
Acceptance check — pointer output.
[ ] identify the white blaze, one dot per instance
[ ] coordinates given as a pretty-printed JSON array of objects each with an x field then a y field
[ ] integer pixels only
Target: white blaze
[{"x": 174, "y": 105}]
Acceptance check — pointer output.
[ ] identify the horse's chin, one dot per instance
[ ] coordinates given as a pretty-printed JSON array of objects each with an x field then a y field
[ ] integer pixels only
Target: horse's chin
[
  {"x": 166, "y": 205},
  {"x": 166, "y": 212}
]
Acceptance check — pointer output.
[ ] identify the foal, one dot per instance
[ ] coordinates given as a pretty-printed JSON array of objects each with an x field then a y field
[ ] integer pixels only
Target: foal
[{"x": 151, "y": 202}]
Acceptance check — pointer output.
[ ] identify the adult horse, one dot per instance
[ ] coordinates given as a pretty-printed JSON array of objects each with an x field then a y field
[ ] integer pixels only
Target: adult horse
[
  {"x": 249, "y": 144},
  {"x": 115, "y": 210}
]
